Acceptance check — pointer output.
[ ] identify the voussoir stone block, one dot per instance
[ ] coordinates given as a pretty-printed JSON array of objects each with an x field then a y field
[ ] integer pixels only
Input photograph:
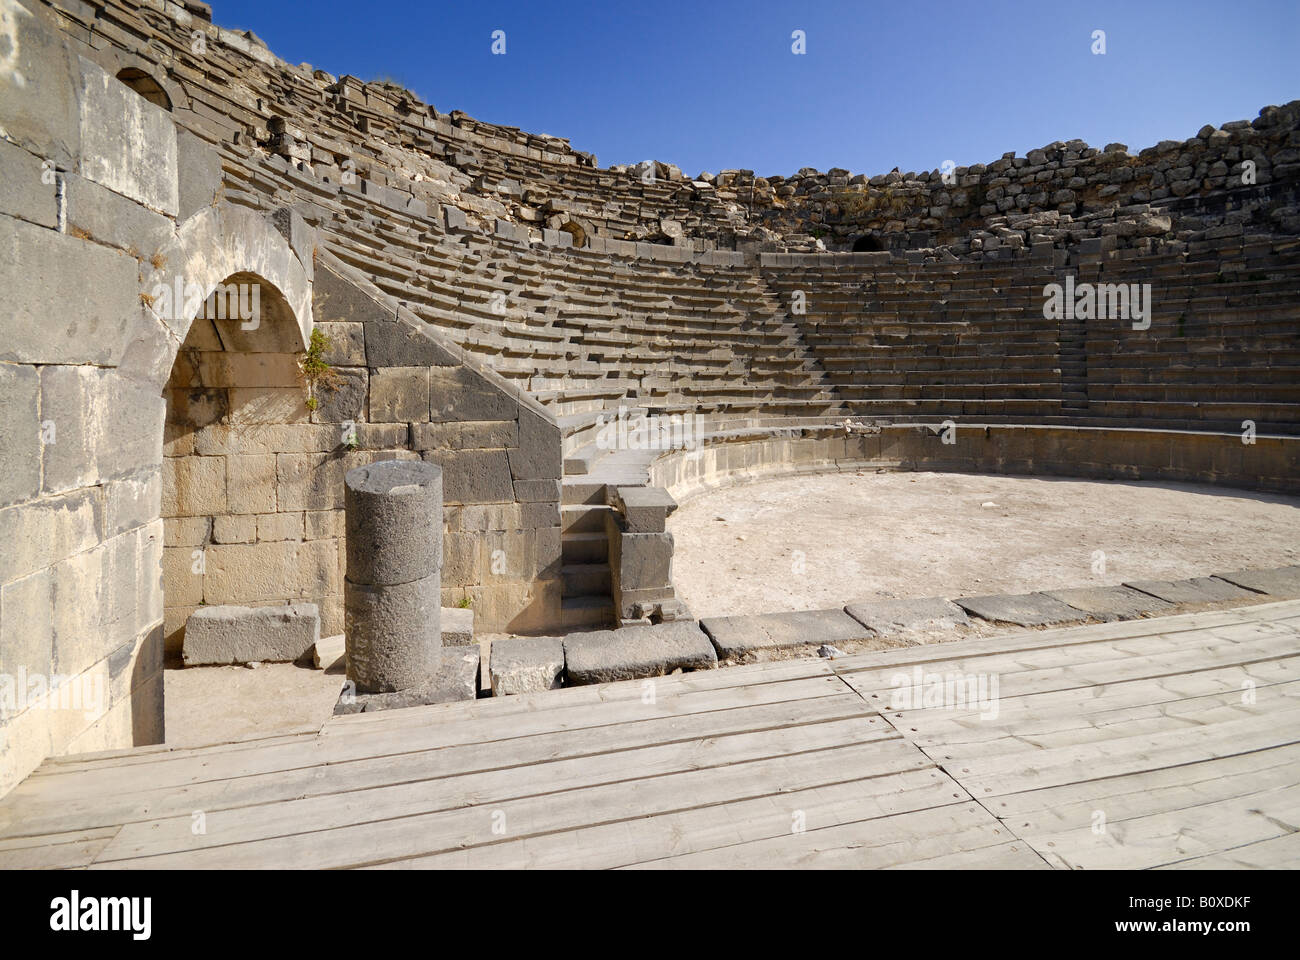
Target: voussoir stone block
[
  {"x": 232, "y": 634},
  {"x": 600, "y": 656}
]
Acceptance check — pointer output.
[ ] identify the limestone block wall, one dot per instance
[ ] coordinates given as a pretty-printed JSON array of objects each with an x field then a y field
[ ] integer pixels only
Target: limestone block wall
[
  {"x": 500, "y": 451},
  {"x": 89, "y": 190}
]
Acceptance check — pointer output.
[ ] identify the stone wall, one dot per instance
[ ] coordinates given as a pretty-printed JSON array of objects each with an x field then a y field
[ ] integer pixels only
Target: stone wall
[
  {"x": 89, "y": 190},
  {"x": 498, "y": 448},
  {"x": 1248, "y": 166}
]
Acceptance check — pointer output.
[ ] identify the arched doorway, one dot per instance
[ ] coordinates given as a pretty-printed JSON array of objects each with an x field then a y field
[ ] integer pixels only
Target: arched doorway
[
  {"x": 234, "y": 533},
  {"x": 868, "y": 243}
]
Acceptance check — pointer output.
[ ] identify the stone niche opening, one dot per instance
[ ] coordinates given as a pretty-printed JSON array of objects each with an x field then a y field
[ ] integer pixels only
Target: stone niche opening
[
  {"x": 145, "y": 85},
  {"x": 236, "y": 520},
  {"x": 868, "y": 243}
]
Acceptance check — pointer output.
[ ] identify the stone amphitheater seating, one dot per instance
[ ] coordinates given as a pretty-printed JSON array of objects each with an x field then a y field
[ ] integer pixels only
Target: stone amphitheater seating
[{"x": 459, "y": 222}]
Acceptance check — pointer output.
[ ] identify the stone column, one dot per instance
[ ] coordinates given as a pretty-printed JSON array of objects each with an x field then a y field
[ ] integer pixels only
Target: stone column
[{"x": 392, "y": 590}]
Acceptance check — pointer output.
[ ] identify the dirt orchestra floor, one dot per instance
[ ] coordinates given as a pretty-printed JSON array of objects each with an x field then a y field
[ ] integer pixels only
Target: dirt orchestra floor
[{"x": 804, "y": 543}]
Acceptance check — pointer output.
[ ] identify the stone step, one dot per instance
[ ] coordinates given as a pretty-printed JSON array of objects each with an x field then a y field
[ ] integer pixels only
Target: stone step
[
  {"x": 583, "y": 518},
  {"x": 579, "y": 548},
  {"x": 580, "y": 490},
  {"x": 586, "y": 579},
  {"x": 576, "y": 612}
]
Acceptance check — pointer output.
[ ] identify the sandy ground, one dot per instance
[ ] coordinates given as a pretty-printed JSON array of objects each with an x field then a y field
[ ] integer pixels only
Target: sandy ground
[
  {"x": 215, "y": 704},
  {"x": 804, "y": 543}
]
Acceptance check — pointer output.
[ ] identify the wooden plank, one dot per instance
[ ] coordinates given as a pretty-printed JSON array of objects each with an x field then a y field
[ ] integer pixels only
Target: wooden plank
[
  {"x": 1278, "y": 853},
  {"x": 1030, "y": 641},
  {"x": 1062, "y": 668},
  {"x": 1126, "y": 791},
  {"x": 61, "y": 851},
  {"x": 546, "y": 701},
  {"x": 897, "y": 840},
  {"x": 1012, "y": 773},
  {"x": 1062, "y": 709},
  {"x": 189, "y": 770},
  {"x": 359, "y": 770},
  {"x": 1171, "y": 836},
  {"x": 654, "y": 835},
  {"x": 1125, "y": 723},
  {"x": 407, "y": 821}
]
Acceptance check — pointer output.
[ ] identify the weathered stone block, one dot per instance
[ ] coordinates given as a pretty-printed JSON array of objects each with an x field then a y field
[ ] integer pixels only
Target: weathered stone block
[
  {"x": 738, "y": 637},
  {"x": 459, "y": 393},
  {"x": 198, "y": 174},
  {"x": 457, "y": 626},
  {"x": 465, "y": 435},
  {"x": 1195, "y": 590},
  {"x": 1111, "y": 603},
  {"x": 38, "y": 86},
  {"x": 21, "y": 434},
  {"x": 645, "y": 508},
  {"x": 68, "y": 300},
  {"x": 645, "y": 560},
  {"x": 1282, "y": 583},
  {"x": 923, "y": 614},
  {"x": 474, "y": 476},
  {"x": 345, "y": 399},
  {"x": 398, "y": 343},
  {"x": 1026, "y": 609},
  {"x": 540, "y": 454},
  {"x": 111, "y": 218},
  {"x": 525, "y": 664},
  {"x": 251, "y": 483},
  {"x": 399, "y": 394},
  {"x": 229, "y": 634},
  {"x": 194, "y": 487},
  {"x": 27, "y": 190},
  {"x": 127, "y": 143},
  {"x": 604, "y": 655},
  {"x": 27, "y": 624}
]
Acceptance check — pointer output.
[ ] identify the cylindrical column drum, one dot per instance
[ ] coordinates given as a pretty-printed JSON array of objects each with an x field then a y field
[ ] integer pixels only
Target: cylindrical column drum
[{"x": 392, "y": 590}]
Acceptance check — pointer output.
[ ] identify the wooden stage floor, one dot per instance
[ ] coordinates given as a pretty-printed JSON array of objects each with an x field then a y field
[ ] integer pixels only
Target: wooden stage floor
[{"x": 1170, "y": 742}]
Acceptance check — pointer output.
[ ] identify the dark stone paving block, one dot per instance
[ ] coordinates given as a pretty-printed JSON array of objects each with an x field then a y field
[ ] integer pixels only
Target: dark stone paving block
[
  {"x": 1022, "y": 609},
  {"x": 887, "y": 617},
  {"x": 598, "y": 656},
  {"x": 1111, "y": 602},
  {"x": 1195, "y": 590},
  {"x": 455, "y": 678},
  {"x": 1282, "y": 582},
  {"x": 737, "y": 636}
]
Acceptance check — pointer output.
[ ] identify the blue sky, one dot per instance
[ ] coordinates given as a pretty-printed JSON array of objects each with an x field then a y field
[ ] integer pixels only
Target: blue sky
[{"x": 715, "y": 85}]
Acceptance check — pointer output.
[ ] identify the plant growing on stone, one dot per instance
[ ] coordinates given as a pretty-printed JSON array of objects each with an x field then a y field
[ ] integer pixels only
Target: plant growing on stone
[{"x": 314, "y": 371}]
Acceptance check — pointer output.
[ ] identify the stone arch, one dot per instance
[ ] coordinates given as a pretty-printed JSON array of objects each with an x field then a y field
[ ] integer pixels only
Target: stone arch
[
  {"x": 215, "y": 244},
  {"x": 235, "y": 400},
  {"x": 576, "y": 230},
  {"x": 146, "y": 85},
  {"x": 868, "y": 243}
]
